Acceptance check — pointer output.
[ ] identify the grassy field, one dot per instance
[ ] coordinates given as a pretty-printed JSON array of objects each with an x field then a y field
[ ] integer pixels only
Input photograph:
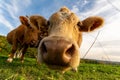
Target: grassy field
[{"x": 30, "y": 70}]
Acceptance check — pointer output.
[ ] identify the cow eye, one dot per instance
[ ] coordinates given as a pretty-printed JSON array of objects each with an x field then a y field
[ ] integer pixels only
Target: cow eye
[{"x": 29, "y": 26}]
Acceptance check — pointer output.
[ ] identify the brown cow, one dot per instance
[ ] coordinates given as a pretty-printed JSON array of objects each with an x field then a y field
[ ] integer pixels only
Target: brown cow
[
  {"x": 60, "y": 50},
  {"x": 27, "y": 34}
]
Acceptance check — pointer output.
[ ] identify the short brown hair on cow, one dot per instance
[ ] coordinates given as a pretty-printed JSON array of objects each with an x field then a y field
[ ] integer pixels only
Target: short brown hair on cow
[
  {"x": 60, "y": 49},
  {"x": 28, "y": 34}
]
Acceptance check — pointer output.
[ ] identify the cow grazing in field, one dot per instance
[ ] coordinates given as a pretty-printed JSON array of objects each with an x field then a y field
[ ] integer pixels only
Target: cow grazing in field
[
  {"x": 28, "y": 34},
  {"x": 60, "y": 50}
]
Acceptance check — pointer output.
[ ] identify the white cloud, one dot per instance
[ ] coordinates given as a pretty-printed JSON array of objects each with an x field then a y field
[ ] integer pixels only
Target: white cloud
[
  {"x": 75, "y": 9},
  {"x": 13, "y": 9},
  {"x": 100, "y": 8},
  {"x": 6, "y": 22},
  {"x": 115, "y": 4},
  {"x": 10, "y": 8}
]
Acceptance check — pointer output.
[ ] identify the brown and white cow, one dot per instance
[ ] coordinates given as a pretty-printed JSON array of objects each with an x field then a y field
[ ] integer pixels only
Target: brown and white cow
[
  {"x": 27, "y": 34},
  {"x": 60, "y": 50}
]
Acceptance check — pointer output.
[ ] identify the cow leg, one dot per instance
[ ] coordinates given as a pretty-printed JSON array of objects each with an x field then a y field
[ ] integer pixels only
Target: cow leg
[
  {"x": 23, "y": 51},
  {"x": 19, "y": 52},
  {"x": 11, "y": 55}
]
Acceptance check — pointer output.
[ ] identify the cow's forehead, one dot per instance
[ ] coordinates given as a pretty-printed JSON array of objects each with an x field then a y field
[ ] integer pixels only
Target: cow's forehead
[{"x": 64, "y": 15}]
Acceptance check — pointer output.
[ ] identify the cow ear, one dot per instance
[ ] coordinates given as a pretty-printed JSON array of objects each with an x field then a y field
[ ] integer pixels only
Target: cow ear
[
  {"x": 90, "y": 24},
  {"x": 24, "y": 20}
]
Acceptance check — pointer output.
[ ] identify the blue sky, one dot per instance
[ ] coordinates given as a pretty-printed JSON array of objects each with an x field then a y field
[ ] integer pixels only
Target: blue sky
[{"x": 105, "y": 46}]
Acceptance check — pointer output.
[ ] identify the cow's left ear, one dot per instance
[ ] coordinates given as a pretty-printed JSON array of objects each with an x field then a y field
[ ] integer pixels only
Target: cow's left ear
[
  {"x": 90, "y": 24},
  {"x": 24, "y": 20}
]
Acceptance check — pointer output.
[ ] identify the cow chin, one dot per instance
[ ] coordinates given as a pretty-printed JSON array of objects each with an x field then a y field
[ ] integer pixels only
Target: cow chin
[
  {"x": 62, "y": 68},
  {"x": 59, "y": 53}
]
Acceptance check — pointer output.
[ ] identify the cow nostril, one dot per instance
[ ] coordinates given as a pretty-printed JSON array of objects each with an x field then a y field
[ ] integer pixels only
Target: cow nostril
[{"x": 70, "y": 51}]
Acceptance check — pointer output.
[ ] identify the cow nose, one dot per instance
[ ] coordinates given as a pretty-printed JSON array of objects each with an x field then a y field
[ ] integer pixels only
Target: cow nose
[
  {"x": 33, "y": 42},
  {"x": 57, "y": 52}
]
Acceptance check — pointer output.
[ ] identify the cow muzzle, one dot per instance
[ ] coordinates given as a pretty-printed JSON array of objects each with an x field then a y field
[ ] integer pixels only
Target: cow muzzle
[
  {"x": 34, "y": 43},
  {"x": 57, "y": 51}
]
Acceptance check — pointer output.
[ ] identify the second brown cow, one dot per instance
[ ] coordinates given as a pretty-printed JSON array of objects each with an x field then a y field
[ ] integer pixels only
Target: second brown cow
[
  {"x": 28, "y": 34},
  {"x": 60, "y": 50}
]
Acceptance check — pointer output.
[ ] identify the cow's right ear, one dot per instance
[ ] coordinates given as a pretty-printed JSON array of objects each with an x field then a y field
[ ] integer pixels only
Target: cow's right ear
[
  {"x": 90, "y": 24},
  {"x": 24, "y": 20}
]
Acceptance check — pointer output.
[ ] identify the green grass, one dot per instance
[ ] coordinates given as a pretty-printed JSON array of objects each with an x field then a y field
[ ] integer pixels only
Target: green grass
[{"x": 30, "y": 70}]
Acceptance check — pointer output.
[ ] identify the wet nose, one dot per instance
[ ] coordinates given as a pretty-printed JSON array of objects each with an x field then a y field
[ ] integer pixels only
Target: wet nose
[{"x": 57, "y": 52}]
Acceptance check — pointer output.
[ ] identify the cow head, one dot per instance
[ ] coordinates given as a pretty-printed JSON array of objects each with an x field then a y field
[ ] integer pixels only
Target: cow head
[
  {"x": 60, "y": 50},
  {"x": 33, "y": 25}
]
